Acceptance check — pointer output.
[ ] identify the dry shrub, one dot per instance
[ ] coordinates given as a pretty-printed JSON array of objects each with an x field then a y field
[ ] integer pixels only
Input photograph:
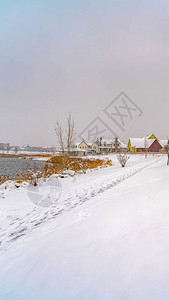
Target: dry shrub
[
  {"x": 123, "y": 158},
  {"x": 57, "y": 165},
  {"x": 62, "y": 163},
  {"x": 4, "y": 178}
]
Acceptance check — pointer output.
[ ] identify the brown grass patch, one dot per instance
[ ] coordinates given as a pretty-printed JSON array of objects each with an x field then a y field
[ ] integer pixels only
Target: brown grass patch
[
  {"x": 62, "y": 163},
  {"x": 58, "y": 164}
]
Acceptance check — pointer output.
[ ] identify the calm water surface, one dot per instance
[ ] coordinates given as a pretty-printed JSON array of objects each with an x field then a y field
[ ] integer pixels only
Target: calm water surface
[{"x": 12, "y": 166}]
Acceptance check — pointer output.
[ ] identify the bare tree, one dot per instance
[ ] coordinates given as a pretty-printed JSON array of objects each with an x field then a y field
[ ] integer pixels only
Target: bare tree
[
  {"x": 16, "y": 149},
  {"x": 60, "y": 136},
  {"x": 34, "y": 174},
  {"x": 66, "y": 138},
  {"x": 70, "y": 133},
  {"x": 123, "y": 158}
]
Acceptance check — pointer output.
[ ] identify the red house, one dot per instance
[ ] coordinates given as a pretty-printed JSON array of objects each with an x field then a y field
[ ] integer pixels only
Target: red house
[{"x": 152, "y": 145}]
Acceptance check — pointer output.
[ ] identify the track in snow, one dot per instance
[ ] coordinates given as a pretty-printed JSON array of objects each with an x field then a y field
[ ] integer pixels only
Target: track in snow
[{"x": 18, "y": 226}]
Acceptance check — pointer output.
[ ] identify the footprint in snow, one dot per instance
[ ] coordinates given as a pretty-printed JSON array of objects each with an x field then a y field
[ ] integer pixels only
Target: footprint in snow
[{"x": 84, "y": 213}]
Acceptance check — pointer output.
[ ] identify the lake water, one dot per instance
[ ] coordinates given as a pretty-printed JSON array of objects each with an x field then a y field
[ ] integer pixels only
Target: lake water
[{"x": 12, "y": 166}]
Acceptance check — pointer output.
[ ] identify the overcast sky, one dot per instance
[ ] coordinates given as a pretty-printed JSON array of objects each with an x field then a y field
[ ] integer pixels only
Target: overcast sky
[{"x": 72, "y": 56}]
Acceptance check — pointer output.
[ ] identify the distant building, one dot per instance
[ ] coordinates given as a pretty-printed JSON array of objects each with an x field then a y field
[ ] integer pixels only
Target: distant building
[
  {"x": 148, "y": 143},
  {"x": 25, "y": 148},
  {"x": 109, "y": 146},
  {"x": 4, "y": 146},
  {"x": 87, "y": 147},
  {"x": 38, "y": 149},
  {"x": 100, "y": 146}
]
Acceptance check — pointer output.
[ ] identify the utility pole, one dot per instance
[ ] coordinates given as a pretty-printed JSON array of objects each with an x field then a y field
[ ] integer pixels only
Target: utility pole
[
  {"x": 145, "y": 145},
  {"x": 168, "y": 152},
  {"x": 116, "y": 144},
  {"x": 100, "y": 144},
  {"x": 100, "y": 141}
]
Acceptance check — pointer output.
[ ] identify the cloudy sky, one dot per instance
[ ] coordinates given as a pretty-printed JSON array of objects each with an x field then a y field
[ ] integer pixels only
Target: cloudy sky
[{"x": 61, "y": 56}]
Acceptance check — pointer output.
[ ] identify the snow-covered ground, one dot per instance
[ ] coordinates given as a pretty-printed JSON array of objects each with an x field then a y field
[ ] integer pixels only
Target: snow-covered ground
[{"x": 106, "y": 237}]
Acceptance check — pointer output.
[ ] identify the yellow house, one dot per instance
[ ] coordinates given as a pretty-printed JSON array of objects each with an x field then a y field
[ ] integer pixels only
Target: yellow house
[
  {"x": 83, "y": 145},
  {"x": 95, "y": 147},
  {"x": 134, "y": 142},
  {"x": 90, "y": 147}
]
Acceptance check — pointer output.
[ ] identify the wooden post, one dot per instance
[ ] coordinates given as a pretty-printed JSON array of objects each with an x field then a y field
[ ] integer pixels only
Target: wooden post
[
  {"x": 168, "y": 153},
  {"x": 116, "y": 144},
  {"x": 145, "y": 145}
]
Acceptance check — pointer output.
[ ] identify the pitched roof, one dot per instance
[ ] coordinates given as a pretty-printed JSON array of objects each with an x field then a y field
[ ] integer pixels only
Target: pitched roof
[
  {"x": 107, "y": 141},
  {"x": 163, "y": 143},
  {"x": 135, "y": 141},
  {"x": 122, "y": 145},
  {"x": 141, "y": 142},
  {"x": 110, "y": 141},
  {"x": 145, "y": 143}
]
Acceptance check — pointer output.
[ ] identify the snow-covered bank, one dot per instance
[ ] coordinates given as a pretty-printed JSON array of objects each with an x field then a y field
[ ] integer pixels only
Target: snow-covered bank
[
  {"x": 19, "y": 215},
  {"x": 112, "y": 246}
]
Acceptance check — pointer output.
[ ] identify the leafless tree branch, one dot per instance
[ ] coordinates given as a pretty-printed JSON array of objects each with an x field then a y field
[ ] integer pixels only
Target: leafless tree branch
[
  {"x": 60, "y": 136},
  {"x": 123, "y": 158},
  {"x": 66, "y": 138},
  {"x": 70, "y": 133}
]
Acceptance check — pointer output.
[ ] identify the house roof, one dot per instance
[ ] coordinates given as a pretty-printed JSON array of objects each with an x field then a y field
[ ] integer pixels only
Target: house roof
[
  {"x": 145, "y": 143},
  {"x": 78, "y": 143},
  {"x": 141, "y": 142},
  {"x": 122, "y": 145},
  {"x": 135, "y": 141},
  {"x": 163, "y": 143},
  {"x": 107, "y": 141}
]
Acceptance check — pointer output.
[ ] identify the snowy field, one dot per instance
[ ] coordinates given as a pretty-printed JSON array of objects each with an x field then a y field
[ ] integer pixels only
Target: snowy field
[{"x": 105, "y": 238}]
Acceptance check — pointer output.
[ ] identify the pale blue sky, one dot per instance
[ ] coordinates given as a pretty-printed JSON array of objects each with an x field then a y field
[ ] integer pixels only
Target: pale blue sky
[{"x": 76, "y": 56}]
